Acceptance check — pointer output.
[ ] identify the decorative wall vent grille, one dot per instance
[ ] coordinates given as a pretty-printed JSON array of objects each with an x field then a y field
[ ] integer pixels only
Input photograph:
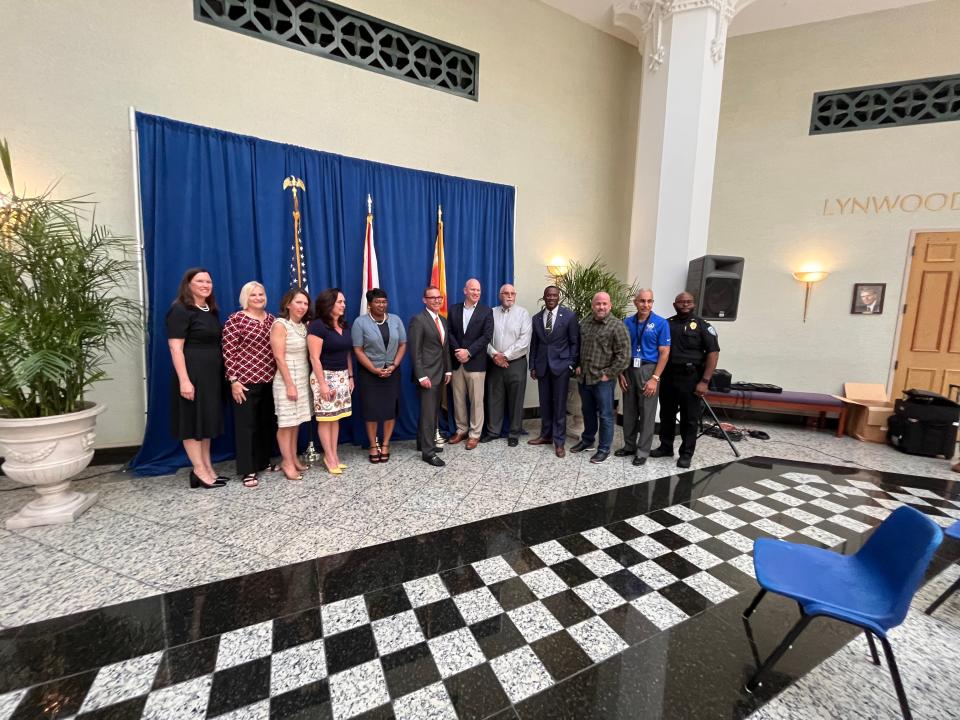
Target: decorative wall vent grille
[
  {"x": 338, "y": 33},
  {"x": 903, "y": 103}
]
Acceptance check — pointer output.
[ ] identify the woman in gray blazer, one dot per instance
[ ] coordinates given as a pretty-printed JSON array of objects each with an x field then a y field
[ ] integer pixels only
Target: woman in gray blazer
[{"x": 379, "y": 341}]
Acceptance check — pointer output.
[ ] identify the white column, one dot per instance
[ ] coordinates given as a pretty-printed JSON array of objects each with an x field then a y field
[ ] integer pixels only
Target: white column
[{"x": 683, "y": 43}]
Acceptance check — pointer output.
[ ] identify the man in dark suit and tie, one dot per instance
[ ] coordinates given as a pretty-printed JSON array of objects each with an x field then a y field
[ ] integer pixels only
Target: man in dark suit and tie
[
  {"x": 428, "y": 336},
  {"x": 471, "y": 330},
  {"x": 554, "y": 351}
]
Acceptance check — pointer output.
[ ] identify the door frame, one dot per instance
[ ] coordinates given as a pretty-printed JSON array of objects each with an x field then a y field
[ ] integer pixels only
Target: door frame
[{"x": 904, "y": 281}]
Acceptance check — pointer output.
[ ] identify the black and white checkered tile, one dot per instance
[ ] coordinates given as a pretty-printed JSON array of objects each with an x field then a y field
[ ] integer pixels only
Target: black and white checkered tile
[{"x": 469, "y": 641}]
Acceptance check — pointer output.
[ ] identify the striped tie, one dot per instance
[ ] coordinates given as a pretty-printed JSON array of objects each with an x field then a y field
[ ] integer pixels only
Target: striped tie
[{"x": 549, "y": 327}]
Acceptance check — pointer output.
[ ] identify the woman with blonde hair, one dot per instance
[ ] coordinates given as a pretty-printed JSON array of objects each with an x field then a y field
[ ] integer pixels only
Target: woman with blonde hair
[
  {"x": 250, "y": 369},
  {"x": 331, "y": 350},
  {"x": 291, "y": 384}
]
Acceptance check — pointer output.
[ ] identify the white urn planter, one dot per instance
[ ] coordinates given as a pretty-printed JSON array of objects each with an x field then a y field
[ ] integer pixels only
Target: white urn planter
[{"x": 45, "y": 453}]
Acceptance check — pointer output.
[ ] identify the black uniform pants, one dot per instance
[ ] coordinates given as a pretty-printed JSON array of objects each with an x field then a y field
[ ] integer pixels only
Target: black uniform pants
[
  {"x": 676, "y": 393},
  {"x": 506, "y": 386},
  {"x": 254, "y": 428}
]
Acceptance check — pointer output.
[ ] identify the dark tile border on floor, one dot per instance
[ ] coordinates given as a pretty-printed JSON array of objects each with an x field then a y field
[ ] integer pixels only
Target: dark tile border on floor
[{"x": 52, "y": 649}]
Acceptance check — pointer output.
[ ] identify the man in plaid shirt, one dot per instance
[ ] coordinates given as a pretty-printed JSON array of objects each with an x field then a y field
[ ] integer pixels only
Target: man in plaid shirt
[{"x": 604, "y": 354}]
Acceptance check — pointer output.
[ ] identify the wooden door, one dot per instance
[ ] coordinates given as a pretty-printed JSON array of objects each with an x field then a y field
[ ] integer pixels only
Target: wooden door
[{"x": 929, "y": 354}]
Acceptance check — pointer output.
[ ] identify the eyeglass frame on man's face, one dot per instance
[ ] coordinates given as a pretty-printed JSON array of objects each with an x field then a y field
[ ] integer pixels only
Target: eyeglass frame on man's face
[{"x": 433, "y": 297}]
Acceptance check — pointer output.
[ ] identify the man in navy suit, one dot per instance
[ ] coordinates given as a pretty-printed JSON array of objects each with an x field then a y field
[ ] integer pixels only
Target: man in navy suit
[
  {"x": 471, "y": 330},
  {"x": 554, "y": 351}
]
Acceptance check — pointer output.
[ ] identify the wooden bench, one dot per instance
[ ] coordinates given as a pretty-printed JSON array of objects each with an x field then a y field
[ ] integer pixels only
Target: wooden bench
[{"x": 793, "y": 403}]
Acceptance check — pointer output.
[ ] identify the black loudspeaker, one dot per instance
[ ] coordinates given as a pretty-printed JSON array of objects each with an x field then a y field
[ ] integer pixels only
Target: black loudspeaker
[
  {"x": 721, "y": 380},
  {"x": 714, "y": 280}
]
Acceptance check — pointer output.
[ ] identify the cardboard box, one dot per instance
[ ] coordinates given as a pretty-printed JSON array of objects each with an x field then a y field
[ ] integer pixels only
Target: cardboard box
[{"x": 868, "y": 411}]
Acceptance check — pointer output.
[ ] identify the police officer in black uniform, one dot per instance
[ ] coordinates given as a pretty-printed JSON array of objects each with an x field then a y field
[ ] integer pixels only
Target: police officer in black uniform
[{"x": 694, "y": 351}]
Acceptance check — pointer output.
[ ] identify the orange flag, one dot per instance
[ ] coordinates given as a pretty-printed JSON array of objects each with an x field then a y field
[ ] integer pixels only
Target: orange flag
[{"x": 438, "y": 275}]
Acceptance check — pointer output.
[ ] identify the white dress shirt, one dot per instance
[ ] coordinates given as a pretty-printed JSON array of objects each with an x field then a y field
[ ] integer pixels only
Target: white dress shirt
[{"x": 512, "y": 329}]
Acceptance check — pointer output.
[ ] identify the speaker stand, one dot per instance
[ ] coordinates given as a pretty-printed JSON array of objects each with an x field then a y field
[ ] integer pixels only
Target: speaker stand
[{"x": 715, "y": 424}]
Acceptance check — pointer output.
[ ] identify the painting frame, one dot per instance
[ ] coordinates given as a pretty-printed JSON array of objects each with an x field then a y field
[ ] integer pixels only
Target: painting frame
[{"x": 868, "y": 298}]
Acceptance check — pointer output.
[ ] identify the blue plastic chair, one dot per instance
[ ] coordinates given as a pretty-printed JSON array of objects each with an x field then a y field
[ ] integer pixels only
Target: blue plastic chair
[
  {"x": 953, "y": 532},
  {"x": 871, "y": 589}
]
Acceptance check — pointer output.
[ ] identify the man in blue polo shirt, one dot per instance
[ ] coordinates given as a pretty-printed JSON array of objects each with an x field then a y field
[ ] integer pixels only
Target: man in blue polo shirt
[{"x": 650, "y": 342}]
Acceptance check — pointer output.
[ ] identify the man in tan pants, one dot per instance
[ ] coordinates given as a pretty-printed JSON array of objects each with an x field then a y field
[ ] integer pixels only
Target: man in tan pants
[{"x": 471, "y": 330}]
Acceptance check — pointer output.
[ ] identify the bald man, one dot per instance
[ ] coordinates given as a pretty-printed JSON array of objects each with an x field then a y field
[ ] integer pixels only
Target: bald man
[
  {"x": 471, "y": 330},
  {"x": 604, "y": 354},
  {"x": 694, "y": 351},
  {"x": 507, "y": 372}
]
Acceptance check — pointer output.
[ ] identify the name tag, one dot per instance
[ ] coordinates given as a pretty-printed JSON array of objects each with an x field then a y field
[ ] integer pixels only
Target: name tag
[{"x": 637, "y": 362}]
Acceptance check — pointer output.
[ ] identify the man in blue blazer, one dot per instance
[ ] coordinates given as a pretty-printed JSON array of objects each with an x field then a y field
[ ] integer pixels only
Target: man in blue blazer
[
  {"x": 471, "y": 330},
  {"x": 554, "y": 353}
]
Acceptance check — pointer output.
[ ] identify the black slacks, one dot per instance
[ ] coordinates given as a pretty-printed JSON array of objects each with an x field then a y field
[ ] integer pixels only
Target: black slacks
[
  {"x": 553, "y": 405},
  {"x": 254, "y": 428},
  {"x": 676, "y": 393},
  {"x": 430, "y": 399},
  {"x": 506, "y": 386}
]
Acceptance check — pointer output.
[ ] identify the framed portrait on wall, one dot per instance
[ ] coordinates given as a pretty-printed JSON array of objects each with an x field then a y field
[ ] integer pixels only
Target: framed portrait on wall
[{"x": 868, "y": 298}]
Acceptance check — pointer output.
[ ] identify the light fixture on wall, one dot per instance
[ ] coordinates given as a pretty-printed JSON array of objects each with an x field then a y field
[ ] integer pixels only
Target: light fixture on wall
[
  {"x": 557, "y": 267},
  {"x": 808, "y": 278}
]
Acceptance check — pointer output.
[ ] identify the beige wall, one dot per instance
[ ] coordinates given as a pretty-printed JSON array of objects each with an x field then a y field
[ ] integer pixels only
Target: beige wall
[
  {"x": 556, "y": 117},
  {"x": 772, "y": 179}
]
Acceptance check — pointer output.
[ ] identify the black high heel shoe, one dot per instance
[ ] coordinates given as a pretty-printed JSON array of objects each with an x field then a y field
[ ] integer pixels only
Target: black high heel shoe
[{"x": 196, "y": 482}]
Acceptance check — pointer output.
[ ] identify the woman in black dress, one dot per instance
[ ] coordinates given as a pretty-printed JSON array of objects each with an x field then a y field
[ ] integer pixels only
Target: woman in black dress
[{"x": 193, "y": 334}]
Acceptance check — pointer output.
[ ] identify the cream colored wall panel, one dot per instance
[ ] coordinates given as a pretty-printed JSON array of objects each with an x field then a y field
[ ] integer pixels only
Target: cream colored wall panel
[
  {"x": 556, "y": 117},
  {"x": 779, "y": 193}
]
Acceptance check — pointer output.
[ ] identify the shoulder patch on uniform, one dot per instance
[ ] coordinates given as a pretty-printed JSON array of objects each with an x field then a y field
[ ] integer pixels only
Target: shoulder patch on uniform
[{"x": 711, "y": 330}]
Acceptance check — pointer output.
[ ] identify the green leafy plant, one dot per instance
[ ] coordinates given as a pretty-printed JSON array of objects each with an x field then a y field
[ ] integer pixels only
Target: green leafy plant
[
  {"x": 581, "y": 282},
  {"x": 60, "y": 311}
]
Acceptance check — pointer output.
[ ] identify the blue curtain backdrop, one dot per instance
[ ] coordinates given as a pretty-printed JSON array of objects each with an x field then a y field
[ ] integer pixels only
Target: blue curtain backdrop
[{"x": 215, "y": 199}]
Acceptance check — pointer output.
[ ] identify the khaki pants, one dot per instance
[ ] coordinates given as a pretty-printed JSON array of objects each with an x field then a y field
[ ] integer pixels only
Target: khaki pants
[{"x": 468, "y": 384}]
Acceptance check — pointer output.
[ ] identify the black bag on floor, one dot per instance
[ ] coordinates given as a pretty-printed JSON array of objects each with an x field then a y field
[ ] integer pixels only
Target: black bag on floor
[{"x": 924, "y": 423}]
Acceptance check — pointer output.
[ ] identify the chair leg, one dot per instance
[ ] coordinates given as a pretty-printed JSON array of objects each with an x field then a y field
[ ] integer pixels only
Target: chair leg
[
  {"x": 946, "y": 593},
  {"x": 753, "y": 605},
  {"x": 897, "y": 682},
  {"x": 873, "y": 647},
  {"x": 791, "y": 637}
]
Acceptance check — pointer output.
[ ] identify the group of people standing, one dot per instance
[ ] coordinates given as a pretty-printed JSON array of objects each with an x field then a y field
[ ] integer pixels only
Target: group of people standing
[{"x": 283, "y": 369}]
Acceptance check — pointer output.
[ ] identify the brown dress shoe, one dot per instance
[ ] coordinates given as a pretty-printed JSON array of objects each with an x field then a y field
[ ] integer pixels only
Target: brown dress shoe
[
  {"x": 539, "y": 441},
  {"x": 560, "y": 451},
  {"x": 455, "y": 438},
  {"x": 472, "y": 443}
]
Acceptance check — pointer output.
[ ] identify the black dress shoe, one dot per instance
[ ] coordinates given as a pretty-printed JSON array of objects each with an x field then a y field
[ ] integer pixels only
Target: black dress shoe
[
  {"x": 639, "y": 460},
  {"x": 196, "y": 482},
  {"x": 623, "y": 452},
  {"x": 580, "y": 447},
  {"x": 599, "y": 457},
  {"x": 433, "y": 460},
  {"x": 486, "y": 437},
  {"x": 684, "y": 461},
  {"x": 511, "y": 442},
  {"x": 661, "y": 452}
]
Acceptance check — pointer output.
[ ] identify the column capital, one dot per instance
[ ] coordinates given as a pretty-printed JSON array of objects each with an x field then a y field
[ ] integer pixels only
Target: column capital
[{"x": 645, "y": 18}]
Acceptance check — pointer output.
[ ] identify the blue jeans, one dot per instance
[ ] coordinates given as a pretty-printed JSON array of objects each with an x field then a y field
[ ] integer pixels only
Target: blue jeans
[{"x": 597, "y": 400}]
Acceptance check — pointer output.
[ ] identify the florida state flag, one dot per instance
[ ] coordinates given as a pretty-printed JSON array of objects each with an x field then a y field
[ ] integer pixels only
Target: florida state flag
[{"x": 371, "y": 271}]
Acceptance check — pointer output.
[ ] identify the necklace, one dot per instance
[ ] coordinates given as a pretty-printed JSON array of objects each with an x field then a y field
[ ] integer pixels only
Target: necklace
[
  {"x": 379, "y": 322},
  {"x": 203, "y": 308},
  {"x": 299, "y": 328}
]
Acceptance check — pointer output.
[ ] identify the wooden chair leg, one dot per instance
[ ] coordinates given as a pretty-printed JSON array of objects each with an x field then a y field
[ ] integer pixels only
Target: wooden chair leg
[
  {"x": 791, "y": 637},
  {"x": 897, "y": 682}
]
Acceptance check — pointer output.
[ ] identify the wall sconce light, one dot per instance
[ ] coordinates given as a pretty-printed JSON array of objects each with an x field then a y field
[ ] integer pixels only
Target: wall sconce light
[
  {"x": 808, "y": 278},
  {"x": 557, "y": 267}
]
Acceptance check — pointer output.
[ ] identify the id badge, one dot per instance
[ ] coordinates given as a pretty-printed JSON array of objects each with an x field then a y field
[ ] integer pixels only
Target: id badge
[{"x": 637, "y": 362}]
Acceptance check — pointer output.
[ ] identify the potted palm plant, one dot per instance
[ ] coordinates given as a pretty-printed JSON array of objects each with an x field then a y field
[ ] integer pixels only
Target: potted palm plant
[
  {"x": 577, "y": 286},
  {"x": 59, "y": 309}
]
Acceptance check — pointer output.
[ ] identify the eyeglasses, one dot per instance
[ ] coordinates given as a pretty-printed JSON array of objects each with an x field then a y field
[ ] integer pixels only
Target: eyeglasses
[{"x": 433, "y": 297}]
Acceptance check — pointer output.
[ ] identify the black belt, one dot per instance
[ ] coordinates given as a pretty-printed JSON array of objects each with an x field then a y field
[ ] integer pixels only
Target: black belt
[
  {"x": 648, "y": 362},
  {"x": 684, "y": 367}
]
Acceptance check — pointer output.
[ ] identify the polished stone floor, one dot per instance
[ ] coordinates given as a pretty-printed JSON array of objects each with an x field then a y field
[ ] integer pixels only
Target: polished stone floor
[{"x": 610, "y": 600}]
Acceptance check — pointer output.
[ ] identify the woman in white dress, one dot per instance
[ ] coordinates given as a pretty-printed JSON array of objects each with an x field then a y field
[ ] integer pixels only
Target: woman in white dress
[{"x": 291, "y": 384}]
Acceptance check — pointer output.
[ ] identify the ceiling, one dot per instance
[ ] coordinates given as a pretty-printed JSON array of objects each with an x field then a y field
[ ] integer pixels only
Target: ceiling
[{"x": 761, "y": 15}]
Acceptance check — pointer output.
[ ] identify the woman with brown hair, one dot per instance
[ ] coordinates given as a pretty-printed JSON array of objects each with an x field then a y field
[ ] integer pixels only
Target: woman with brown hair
[
  {"x": 250, "y": 368},
  {"x": 330, "y": 348},
  {"x": 291, "y": 389},
  {"x": 193, "y": 336}
]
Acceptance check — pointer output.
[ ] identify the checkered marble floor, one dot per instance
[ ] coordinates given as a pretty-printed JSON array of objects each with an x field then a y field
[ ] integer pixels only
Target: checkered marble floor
[{"x": 474, "y": 640}]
